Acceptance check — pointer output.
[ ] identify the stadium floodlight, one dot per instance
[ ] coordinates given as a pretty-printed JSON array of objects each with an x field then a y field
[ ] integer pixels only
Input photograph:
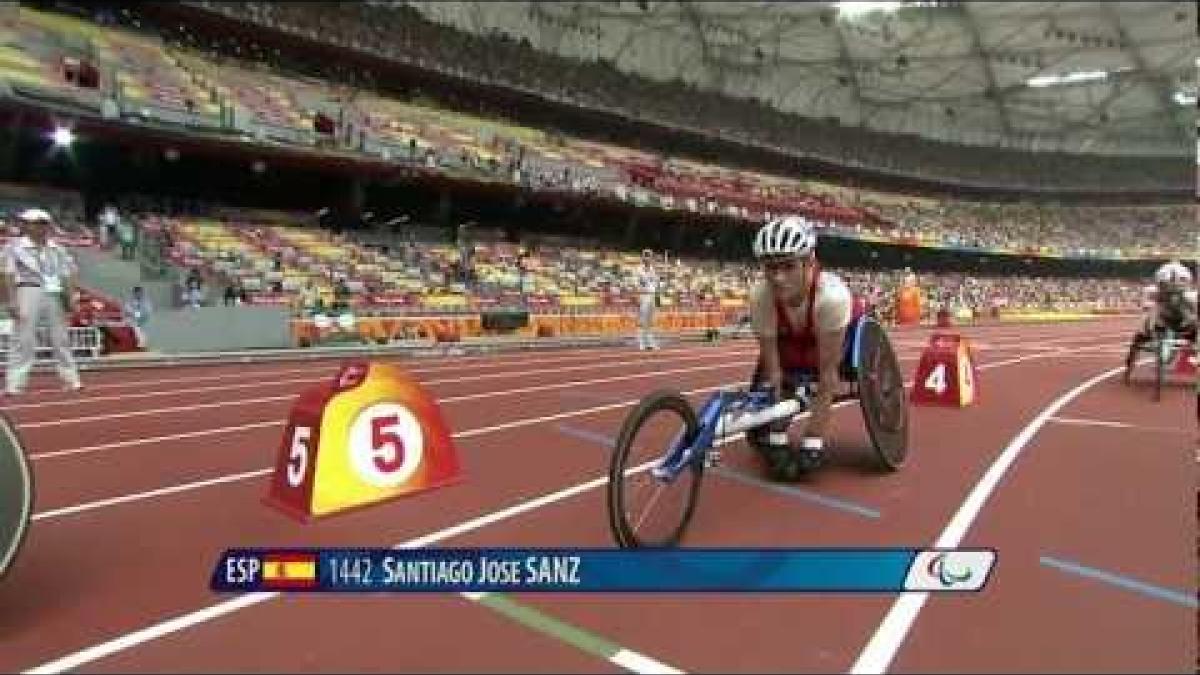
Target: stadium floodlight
[
  {"x": 855, "y": 9},
  {"x": 63, "y": 137},
  {"x": 1068, "y": 78}
]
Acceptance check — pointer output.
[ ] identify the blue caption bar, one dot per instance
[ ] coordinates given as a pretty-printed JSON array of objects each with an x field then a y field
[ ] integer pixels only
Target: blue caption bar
[{"x": 601, "y": 570}]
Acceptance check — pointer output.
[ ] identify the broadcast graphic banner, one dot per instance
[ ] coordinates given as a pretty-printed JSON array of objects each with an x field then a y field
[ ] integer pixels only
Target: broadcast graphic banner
[{"x": 603, "y": 570}]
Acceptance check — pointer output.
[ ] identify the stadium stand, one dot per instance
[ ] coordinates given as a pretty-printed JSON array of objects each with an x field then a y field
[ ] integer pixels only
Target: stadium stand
[
  {"x": 177, "y": 77},
  {"x": 402, "y": 33},
  {"x": 152, "y": 78}
]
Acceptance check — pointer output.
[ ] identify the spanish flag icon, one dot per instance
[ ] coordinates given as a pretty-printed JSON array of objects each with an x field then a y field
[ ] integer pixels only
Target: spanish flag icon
[{"x": 289, "y": 571}]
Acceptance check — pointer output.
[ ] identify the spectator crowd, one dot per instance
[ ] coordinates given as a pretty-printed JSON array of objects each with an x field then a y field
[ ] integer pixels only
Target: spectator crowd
[{"x": 400, "y": 32}]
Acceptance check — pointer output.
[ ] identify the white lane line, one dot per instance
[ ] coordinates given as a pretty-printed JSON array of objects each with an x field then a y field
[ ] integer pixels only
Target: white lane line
[
  {"x": 153, "y": 411},
  {"x": 146, "y": 634},
  {"x": 473, "y": 377},
  {"x": 163, "y": 392},
  {"x": 197, "y": 617},
  {"x": 877, "y": 655},
  {"x": 270, "y": 399},
  {"x": 150, "y": 494},
  {"x": 449, "y": 399},
  {"x": 207, "y": 432},
  {"x": 267, "y": 423},
  {"x": 208, "y": 482},
  {"x": 640, "y": 663},
  {"x": 469, "y": 433},
  {"x": 1076, "y": 421},
  {"x": 194, "y": 618},
  {"x": 155, "y": 439},
  {"x": 460, "y": 363}
]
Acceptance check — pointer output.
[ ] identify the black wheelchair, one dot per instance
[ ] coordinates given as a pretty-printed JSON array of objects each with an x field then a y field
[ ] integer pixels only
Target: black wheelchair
[
  {"x": 16, "y": 494},
  {"x": 1164, "y": 344}
]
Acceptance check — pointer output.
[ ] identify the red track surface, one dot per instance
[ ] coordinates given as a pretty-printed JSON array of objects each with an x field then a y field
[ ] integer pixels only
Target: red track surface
[{"x": 1119, "y": 499}]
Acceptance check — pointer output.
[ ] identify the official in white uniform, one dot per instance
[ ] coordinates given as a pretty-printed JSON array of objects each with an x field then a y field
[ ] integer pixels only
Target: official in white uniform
[
  {"x": 648, "y": 284},
  {"x": 39, "y": 284}
]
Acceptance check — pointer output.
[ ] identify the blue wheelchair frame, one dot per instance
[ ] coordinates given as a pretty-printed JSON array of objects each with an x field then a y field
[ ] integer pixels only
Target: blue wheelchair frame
[{"x": 702, "y": 450}]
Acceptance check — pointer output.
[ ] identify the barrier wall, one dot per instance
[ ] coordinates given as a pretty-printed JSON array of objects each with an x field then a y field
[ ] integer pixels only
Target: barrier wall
[
  {"x": 452, "y": 328},
  {"x": 84, "y": 341},
  {"x": 212, "y": 329},
  {"x": 380, "y": 330}
]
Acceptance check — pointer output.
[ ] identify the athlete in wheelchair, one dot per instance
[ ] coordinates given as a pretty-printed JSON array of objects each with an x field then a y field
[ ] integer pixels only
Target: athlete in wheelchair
[
  {"x": 1170, "y": 317},
  {"x": 806, "y": 322},
  {"x": 1170, "y": 305},
  {"x": 815, "y": 350}
]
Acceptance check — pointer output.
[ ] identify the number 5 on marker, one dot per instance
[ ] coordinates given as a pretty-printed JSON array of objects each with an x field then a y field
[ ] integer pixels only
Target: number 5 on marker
[
  {"x": 298, "y": 456},
  {"x": 387, "y": 448}
]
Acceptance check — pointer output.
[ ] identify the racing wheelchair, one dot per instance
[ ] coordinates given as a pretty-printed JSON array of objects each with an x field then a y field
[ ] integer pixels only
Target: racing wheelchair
[
  {"x": 1164, "y": 345},
  {"x": 683, "y": 442},
  {"x": 16, "y": 494}
]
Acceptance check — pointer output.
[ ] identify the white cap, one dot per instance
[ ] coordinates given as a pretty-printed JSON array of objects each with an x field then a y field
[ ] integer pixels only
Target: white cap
[
  {"x": 35, "y": 214},
  {"x": 1173, "y": 272}
]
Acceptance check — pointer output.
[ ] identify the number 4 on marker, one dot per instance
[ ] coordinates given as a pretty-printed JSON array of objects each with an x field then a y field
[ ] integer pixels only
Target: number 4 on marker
[
  {"x": 387, "y": 448},
  {"x": 937, "y": 379}
]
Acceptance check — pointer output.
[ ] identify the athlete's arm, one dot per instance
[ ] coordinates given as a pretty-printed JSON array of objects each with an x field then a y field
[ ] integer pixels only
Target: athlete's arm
[
  {"x": 829, "y": 348},
  {"x": 1189, "y": 307},
  {"x": 69, "y": 286},
  {"x": 831, "y": 316},
  {"x": 8, "y": 282},
  {"x": 772, "y": 372},
  {"x": 762, "y": 317}
]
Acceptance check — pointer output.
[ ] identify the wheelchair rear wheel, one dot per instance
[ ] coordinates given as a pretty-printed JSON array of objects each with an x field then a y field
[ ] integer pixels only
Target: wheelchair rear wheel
[
  {"x": 882, "y": 397},
  {"x": 16, "y": 494}
]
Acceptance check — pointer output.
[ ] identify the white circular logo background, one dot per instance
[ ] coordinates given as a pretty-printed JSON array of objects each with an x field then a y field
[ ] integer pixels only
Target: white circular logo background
[{"x": 373, "y": 425}]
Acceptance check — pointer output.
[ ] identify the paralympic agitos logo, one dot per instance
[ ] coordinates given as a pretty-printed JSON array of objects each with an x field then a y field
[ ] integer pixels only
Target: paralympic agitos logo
[
  {"x": 942, "y": 568},
  {"x": 950, "y": 570}
]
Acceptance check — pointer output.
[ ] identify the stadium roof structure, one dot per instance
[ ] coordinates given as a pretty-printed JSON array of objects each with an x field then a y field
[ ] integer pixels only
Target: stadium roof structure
[{"x": 1083, "y": 77}]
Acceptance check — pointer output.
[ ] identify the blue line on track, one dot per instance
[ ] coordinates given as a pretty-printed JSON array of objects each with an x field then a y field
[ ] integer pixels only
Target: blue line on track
[
  {"x": 798, "y": 492},
  {"x": 1128, "y": 583}
]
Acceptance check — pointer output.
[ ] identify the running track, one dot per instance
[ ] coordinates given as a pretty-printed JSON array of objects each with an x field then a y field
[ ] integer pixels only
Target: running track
[{"x": 1088, "y": 493}]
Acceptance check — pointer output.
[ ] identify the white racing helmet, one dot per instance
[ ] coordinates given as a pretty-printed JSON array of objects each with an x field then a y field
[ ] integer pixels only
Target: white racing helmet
[
  {"x": 34, "y": 215},
  {"x": 786, "y": 236},
  {"x": 1173, "y": 272}
]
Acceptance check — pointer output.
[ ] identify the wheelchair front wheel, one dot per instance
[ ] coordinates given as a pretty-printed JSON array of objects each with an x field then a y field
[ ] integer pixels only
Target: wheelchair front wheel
[{"x": 643, "y": 509}]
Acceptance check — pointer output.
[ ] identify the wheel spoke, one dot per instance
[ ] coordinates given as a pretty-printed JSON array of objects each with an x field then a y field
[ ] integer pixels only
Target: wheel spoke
[
  {"x": 658, "y": 490},
  {"x": 641, "y": 512}
]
